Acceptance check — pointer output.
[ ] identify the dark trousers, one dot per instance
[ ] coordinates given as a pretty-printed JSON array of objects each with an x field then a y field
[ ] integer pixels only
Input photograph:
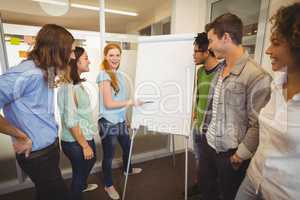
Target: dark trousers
[
  {"x": 216, "y": 174},
  {"x": 110, "y": 134},
  {"x": 196, "y": 141},
  {"x": 81, "y": 168},
  {"x": 44, "y": 172}
]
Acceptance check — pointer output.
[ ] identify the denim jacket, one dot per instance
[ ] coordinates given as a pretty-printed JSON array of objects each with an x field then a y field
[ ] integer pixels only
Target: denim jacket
[{"x": 244, "y": 92}]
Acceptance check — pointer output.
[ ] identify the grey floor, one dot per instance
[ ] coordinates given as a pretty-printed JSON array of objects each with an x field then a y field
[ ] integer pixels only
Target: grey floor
[{"x": 159, "y": 181}]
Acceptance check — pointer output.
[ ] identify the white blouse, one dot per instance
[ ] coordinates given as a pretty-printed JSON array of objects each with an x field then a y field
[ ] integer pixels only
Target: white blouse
[{"x": 275, "y": 167}]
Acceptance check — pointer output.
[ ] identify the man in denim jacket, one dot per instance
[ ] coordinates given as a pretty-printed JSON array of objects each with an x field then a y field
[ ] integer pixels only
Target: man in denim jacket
[{"x": 230, "y": 129}]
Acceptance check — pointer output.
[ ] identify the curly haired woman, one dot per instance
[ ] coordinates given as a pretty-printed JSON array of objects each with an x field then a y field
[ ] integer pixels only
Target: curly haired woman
[{"x": 274, "y": 169}]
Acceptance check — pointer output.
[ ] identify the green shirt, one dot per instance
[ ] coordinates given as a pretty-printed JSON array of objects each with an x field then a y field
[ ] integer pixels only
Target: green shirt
[
  {"x": 73, "y": 113},
  {"x": 204, "y": 79}
]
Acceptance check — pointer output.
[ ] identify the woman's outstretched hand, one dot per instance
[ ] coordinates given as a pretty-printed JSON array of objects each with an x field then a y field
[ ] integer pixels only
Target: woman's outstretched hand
[
  {"x": 135, "y": 103},
  {"x": 138, "y": 103}
]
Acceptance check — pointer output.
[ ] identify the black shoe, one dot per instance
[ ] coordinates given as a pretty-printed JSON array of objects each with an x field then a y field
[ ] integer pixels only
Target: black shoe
[
  {"x": 195, "y": 197},
  {"x": 193, "y": 190}
]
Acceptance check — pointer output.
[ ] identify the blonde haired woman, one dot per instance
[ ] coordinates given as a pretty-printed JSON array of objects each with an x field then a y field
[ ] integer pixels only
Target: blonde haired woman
[{"x": 113, "y": 105}]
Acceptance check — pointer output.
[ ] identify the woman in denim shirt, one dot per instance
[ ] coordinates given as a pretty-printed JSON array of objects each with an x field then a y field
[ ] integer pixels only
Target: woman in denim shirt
[
  {"x": 113, "y": 105},
  {"x": 78, "y": 126},
  {"x": 27, "y": 100}
]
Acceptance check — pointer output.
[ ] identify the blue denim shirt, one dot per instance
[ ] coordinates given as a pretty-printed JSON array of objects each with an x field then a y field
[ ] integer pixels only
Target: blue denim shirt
[{"x": 27, "y": 103}]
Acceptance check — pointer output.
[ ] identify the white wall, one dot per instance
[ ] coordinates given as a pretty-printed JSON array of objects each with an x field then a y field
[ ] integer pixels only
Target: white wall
[
  {"x": 13, "y": 52},
  {"x": 187, "y": 18}
]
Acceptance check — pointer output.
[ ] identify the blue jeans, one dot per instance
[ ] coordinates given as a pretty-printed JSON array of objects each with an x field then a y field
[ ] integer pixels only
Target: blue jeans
[
  {"x": 81, "y": 168},
  {"x": 111, "y": 133}
]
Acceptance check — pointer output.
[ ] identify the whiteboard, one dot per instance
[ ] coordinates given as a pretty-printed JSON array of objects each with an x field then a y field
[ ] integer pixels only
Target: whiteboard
[{"x": 165, "y": 75}]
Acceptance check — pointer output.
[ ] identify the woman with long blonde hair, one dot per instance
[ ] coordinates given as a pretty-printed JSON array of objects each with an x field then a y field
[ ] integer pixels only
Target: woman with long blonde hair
[{"x": 113, "y": 105}]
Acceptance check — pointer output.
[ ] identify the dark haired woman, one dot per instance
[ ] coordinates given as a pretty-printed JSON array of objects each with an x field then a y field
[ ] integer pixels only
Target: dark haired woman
[
  {"x": 78, "y": 127},
  {"x": 27, "y": 99},
  {"x": 274, "y": 169},
  {"x": 113, "y": 105}
]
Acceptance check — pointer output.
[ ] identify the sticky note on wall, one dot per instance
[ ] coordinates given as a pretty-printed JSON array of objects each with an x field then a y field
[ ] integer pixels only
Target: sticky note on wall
[
  {"x": 23, "y": 54},
  {"x": 15, "y": 41}
]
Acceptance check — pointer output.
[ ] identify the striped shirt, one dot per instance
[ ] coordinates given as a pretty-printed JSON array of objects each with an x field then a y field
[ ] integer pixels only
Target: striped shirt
[{"x": 212, "y": 133}]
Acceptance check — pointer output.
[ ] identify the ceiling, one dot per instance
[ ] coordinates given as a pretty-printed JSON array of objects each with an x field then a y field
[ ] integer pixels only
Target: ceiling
[{"x": 28, "y": 12}]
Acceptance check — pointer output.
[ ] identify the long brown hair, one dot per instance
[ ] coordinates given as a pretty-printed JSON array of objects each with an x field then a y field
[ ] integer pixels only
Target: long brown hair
[
  {"x": 107, "y": 68},
  {"x": 52, "y": 50},
  {"x": 74, "y": 66}
]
